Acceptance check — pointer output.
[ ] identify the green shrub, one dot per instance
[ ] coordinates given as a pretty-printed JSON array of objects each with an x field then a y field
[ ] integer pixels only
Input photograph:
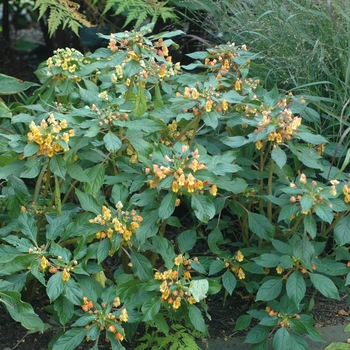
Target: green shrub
[{"x": 132, "y": 190}]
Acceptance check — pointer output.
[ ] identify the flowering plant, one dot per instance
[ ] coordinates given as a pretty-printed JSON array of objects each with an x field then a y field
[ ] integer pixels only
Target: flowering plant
[{"x": 130, "y": 180}]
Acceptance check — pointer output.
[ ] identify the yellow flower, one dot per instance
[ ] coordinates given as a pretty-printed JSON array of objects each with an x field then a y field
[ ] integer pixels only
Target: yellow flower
[
  {"x": 165, "y": 294},
  {"x": 279, "y": 269},
  {"x": 209, "y": 105},
  {"x": 237, "y": 85},
  {"x": 187, "y": 275},
  {"x": 213, "y": 190},
  {"x": 195, "y": 94},
  {"x": 178, "y": 260},
  {"x": 258, "y": 144},
  {"x": 177, "y": 303},
  {"x": 65, "y": 275},
  {"x": 241, "y": 274},
  {"x": 123, "y": 316},
  {"x": 224, "y": 105},
  {"x": 175, "y": 187},
  {"x": 44, "y": 262},
  {"x": 239, "y": 256}
]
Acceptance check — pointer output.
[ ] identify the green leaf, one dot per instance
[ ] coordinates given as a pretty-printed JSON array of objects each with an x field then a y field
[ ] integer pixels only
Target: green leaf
[
  {"x": 324, "y": 212},
  {"x": 58, "y": 166},
  {"x": 338, "y": 346},
  {"x": 236, "y": 185},
  {"x": 30, "y": 149},
  {"x": 325, "y": 286},
  {"x": 197, "y": 319},
  {"x": 141, "y": 266},
  {"x": 103, "y": 250},
  {"x": 141, "y": 102},
  {"x": 211, "y": 119},
  {"x": 296, "y": 287},
  {"x": 27, "y": 226},
  {"x": 279, "y": 156},
  {"x": 267, "y": 260},
  {"x": 234, "y": 141},
  {"x": 55, "y": 286},
  {"x": 96, "y": 175},
  {"x": 229, "y": 281},
  {"x": 342, "y": 231},
  {"x": 297, "y": 342},
  {"x": 216, "y": 266},
  {"x": 199, "y": 289},
  {"x": 57, "y": 226},
  {"x": 186, "y": 240},
  {"x": 270, "y": 289},
  {"x": 257, "y": 334},
  {"x": 64, "y": 309},
  {"x": 306, "y": 202},
  {"x": 149, "y": 226},
  {"x": 75, "y": 171},
  {"x": 88, "y": 202},
  {"x": 20, "y": 262},
  {"x": 150, "y": 309},
  {"x": 112, "y": 142},
  {"x": 243, "y": 322},
  {"x": 260, "y": 225},
  {"x": 166, "y": 249},
  {"x": 203, "y": 207},
  {"x": 311, "y": 138},
  {"x": 281, "y": 339},
  {"x": 167, "y": 206},
  {"x": 310, "y": 225},
  {"x": 10, "y": 85},
  {"x": 215, "y": 237},
  {"x": 70, "y": 339},
  {"x": 73, "y": 291}
]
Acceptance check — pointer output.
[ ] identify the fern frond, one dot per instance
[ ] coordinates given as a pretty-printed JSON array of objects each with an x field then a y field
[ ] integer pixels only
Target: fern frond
[
  {"x": 54, "y": 20},
  {"x": 141, "y": 17}
]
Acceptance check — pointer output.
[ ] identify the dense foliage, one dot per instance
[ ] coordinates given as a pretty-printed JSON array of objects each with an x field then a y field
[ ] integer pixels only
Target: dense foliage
[{"x": 132, "y": 188}]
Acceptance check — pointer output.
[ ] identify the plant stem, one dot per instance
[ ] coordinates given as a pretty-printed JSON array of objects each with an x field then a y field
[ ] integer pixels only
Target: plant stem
[
  {"x": 193, "y": 122},
  {"x": 38, "y": 184},
  {"x": 269, "y": 190}
]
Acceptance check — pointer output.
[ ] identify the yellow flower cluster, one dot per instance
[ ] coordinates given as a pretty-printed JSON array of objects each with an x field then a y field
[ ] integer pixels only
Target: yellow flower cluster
[
  {"x": 124, "y": 223},
  {"x": 174, "y": 287},
  {"x": 234, "y": 267},
  {"x": 346, "y": 192},
  {"x": 110, "y": 321},
  {"x": 172, "y": 133},
  {"x": 66, "y": 59},
  {"x": 286, "y": 125},
  {"x": 135, "y": 46},
  {"x": 48, "y": 135},
  {"x": 183, "y": 179}
]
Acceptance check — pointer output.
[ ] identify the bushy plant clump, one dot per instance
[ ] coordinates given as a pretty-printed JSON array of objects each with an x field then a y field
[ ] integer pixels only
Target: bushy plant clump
[{"x": 132, "y": 189}]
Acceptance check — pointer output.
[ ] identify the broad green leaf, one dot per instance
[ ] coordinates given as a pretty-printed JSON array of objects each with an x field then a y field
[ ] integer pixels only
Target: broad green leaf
[
  {"x": 281, "y": 339},
  {"x": 342, "y": 231},
  {"x": 30, "y": 149},
  {"x": 21, "y": 311},
  {"x": 267, "y": 260},
  {"x": 270, "y": 289},
  {"x": 235, "y": 186},
  {"x": 88, "y": 202},
  {"x": 75, "y": 171},
  {"x": 304, "y": 250},
  {"x": 324, "y": 212},
  {"x": 141, "y": 102},
  {"x": 243, "y": 322},
  {"x": 257, "y": 334},
  {"x": 203, "y": 207},
  {"x": 64, "y": 309},
  {"x": 158, "y": 102},
  {"x": 196, "y": 319},
  {"x": 96, "y": 175},
  {"x": 10, "y": 85},
  {"x": 199, "y": 289},
  {"x": 73, "y": 291},
  {"x": 279, "y": 156},
  {"x": 310, "y": 225},
  {"x": 57, "y": 226},
  {"x": 58, "y": 166},
  {"x": 325, "y": 286},
  {"x": 141, "y": 266},
  {"x": 261, "y": 226},
  {"x": 150, "y": 309},
  {"x": 306, "y": 202},
  {"x": 186, "y": 240},
  {"x": 296, "y": 287},
  {"x": 149, "y": 226},
  {"x": 55, "y": 286},
  {"x": 211, "y": 119},
  {"x": 215, "y": 237},
  {"x": 20, "y": 262},
  {"x": 70, "y": 339},
  {"x": 166, "y": 249},
  {"x": 112, "y": 142},
  {"x": 167, "y": 206},
  {"x": 216, "y": 266},
  {"x": 27, "y": 226},
  {"x": 234, "y": 141},
  {"x": 103, "y": 250},
  {"x": 338, "y": 346},
  {"x": 229, "y": 281},
  {"x": 281, "y": 247},
  {"x": 311, "y": 138},
  {"x": 18, "y": 184},
  {"x": 297, "y": 342}
]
